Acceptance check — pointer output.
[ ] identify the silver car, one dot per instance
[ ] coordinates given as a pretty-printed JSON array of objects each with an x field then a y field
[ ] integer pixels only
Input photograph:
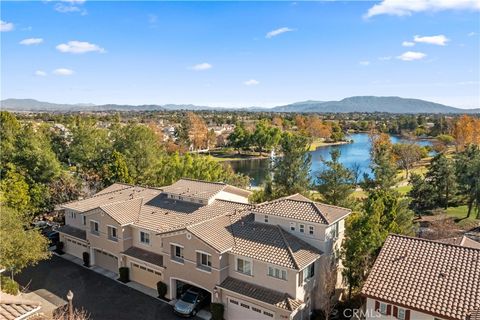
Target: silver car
[{"x": 189, "y": 303}]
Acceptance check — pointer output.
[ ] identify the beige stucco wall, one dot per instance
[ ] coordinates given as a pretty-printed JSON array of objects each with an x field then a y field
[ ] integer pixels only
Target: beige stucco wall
[
  {"x": 231, "y": 197},
  {"x": 188, "y": 271},
  {"x": 101, "y": 240},
  {"x": 75, "y": 220}
]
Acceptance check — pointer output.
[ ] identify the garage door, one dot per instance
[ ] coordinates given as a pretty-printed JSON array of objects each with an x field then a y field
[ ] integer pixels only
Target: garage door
[
  {"x": 75, "y": 248},
  {"x": 106, "y": 260},
  {"x": 145, "y": 275},
  {"x": 241, "y": 310}
]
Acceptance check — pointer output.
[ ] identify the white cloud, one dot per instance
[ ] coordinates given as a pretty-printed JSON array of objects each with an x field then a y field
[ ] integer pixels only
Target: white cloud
[
  {"x": 439, "y": 40},
  {"x": 408, "y": 44},
  {"x": 364, "y": 63},
  {"x": 78, "y": 47},
  {"x": 63, "y": 72},
  {"x": 471, "y": 34},
  {"x": 40, "y": 73},
  {"x": 411, "y": 56},
  {"x": 68, "y": 6},
  {"x": 201, "y": 66},
  {"x": 277, "y": 32},
  {"x": 6, "y": 26},
  {"x": 251, "y": 82},
  {"x": 31, "y": 41},
  {"x": 407, "y": 7}
]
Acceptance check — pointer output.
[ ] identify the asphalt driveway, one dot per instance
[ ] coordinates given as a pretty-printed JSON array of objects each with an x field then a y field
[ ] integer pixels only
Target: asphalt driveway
[{"x": 102, "y": 297}]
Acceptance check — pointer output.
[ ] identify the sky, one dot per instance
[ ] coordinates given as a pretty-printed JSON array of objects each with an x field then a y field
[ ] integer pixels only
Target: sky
[{"x": 240, "y": 54}]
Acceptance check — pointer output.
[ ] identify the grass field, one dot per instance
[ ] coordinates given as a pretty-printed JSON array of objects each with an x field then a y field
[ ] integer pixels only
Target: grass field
[{"x": 460, "y": 216}]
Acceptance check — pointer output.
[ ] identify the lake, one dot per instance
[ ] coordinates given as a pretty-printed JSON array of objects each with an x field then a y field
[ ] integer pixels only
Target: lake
[{"x": 352, "y": 154}]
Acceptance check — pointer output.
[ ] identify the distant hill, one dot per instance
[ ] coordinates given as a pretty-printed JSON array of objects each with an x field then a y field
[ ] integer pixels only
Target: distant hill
[
  {"x": 373, "y": 104},
  {"x": 352, "y": 104}
]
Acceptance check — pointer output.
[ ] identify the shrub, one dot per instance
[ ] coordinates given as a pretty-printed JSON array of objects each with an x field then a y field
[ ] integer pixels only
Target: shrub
[
  {"x": 86, "y": 259},
  {"x": 217, "y": 311},
  {"x": 123, "y": 272},
  {"x": 162, "y": 289},
  {"x": 9, "y": 286}
]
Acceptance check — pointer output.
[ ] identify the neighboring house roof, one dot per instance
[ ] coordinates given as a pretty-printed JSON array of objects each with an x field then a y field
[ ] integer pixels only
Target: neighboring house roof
[
  {"x": 202, "y": 189},
  {"x": 114, "y": 187},
  {"x": 240, "y": 235},
  {"x": 269, "y": 296},
  {"x": 148, "y": 256},
  {"x": 72, "y": 231},
  {"x": 15, "y": 307},
  {"x": 461, "y": 241},
  {"x": 124, "y": 212},
  {"x": 429, "y": 276},
  {"x": 300, "y": 208}
]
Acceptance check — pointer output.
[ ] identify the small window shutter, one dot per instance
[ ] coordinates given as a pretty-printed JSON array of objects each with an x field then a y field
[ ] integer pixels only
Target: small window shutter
[
  {"x": 407, "y": 314},
  {"x": 377, "y": 306},
  {"x": 395, "y": 311},
  {"x": 389, "y": 309}
]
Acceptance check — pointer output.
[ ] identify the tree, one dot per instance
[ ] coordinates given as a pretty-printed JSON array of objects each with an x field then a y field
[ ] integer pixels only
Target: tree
[
  {"x": 20, "y": 247},
  {"x": 211, "y": 139},
  {"x": 9, "y": 129},
  {"x": 383, "y": 163},
  {"x": 116, "y": 170},
  {"x": 336, "y": 183},
  {"x": 14, "y": 191},
  {"x": 407, "y": 154},
  {"x": 441, "y": 175},
  {"x": 239, "y": 138},
  {"x": 197, "y": 131},
  {"x": 466, "y": 131},
  {"x": 327, "y": 291},
  {"x": 422, "y": 194},
  {"x": 467, "y": 171},
  {"x": 291, "y": 171},
  {"x": 317, "y": 129}
]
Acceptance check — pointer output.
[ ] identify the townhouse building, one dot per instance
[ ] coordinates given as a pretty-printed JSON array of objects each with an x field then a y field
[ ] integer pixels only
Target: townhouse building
[
  {"x": 418, "y": 279},
  {"x": 260, "y": 261}
]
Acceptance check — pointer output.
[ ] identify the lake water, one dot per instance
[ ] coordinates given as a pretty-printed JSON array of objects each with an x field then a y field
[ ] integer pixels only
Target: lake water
[{"x": 353, "y": 154}]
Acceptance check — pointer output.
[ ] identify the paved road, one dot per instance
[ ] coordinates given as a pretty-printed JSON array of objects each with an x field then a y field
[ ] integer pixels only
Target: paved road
[{"x": 102, "y": 297}]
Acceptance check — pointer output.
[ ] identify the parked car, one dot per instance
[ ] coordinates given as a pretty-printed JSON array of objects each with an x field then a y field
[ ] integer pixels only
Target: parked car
[
  {"x": 190, "y": 302},
  {"x": 53, "y": 237}
]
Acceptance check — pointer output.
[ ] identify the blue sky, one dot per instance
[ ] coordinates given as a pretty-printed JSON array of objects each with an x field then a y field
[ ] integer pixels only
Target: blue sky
[{"x": 240, "y": 53}]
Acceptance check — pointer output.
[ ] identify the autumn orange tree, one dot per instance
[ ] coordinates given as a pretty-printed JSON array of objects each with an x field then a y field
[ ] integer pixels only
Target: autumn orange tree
[
  {"x": 197, "y": 131},
  {"x": 466, "y": 131}
]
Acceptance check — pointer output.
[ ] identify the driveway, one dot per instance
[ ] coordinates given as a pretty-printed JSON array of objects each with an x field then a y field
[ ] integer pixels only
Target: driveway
[{"x": 102, "y": 297}]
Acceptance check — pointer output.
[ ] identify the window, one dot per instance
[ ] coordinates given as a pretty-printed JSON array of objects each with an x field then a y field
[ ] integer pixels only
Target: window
[
  {"x": 292, "y": 226},
  {"x": 73, "y": 215},
  {"x": 311, "y": 230},
  {"x": 266, "y": 219},
  {"x": 334, "y": 231},
  {"x": 306, "y": 274},
  {"x": 277, "y": 273},
  {"x": 204, "y": 261},
  {"x": 244, "y": 266},
  {"x": 401, "y": 314},
  {"x": 144, "y": 237},
  {"x": 302, "y": 228},
  {"x": 268, "y": 314},
  {"x": 94, "y": 227},
  {"x": 246, "y": 306},
  {"x": 383, "y": 308},
  {"x": 177, "y": 253},
  {"x": 112, "y": 233},
  {"x": 84, "y": 220}
]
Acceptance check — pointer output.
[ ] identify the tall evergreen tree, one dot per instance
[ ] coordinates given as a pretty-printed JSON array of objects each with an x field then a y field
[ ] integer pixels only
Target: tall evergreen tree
[
  {"x": 467, "y": 169},
  {"x": 441, "y": 175}
]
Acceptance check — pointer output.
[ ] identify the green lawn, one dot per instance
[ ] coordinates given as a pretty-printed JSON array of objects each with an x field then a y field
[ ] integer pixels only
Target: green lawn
[{"x": 460, "y": 216}]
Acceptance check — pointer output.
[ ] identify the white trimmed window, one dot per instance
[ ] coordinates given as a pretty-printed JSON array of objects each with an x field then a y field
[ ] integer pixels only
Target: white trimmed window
[
  {"x": 401, "y": 314},
  {"x": 311, "y": 230},
  {"x": 306, "y": 274},
  {"x": 383, "y": 308},
  {"x": 112, "y": 233},
  {"x": 176, "y": 252},
  {"x": 204, "y": 261},
  {"x": 277, "y": 273},
  {"x": 302, "y": 228},
  {"x": 293, "y": 226},
  {"x": 144, "y": 237},
  {"x": 266, "y": 219},
  {"x": 94, "y": 227},
  {"x": 244, "y": 266}
]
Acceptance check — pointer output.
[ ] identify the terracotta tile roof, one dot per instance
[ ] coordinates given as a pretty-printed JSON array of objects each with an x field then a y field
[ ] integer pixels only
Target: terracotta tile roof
[
  {"x": 196, "y": 189},
  {"x": 105, "y": 198},
  {"x": 148, "y": 256},
  {"x": 269, "y": 296},
  {"x": 15, "y": 307},
  {"x": 300, "y": 208},
  {"x": 72, "y": 231},
  {"x": 433, "y": 277},
  {"x": 461, "y": 241},
  {"x": 114, "y": 187},
  {"x": 124, "y": 212}
]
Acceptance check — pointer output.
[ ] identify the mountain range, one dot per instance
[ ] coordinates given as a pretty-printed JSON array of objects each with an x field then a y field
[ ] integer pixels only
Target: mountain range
[{"x": 352, "y": 104}]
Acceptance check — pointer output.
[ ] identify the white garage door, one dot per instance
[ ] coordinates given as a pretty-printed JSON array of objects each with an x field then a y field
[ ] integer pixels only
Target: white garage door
[
  {"x": 75, "y": 248},
  {"x": 145, "y": 275},
  {"x": 106, "y": 260},
  {"x": 242, "y": 310}
]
